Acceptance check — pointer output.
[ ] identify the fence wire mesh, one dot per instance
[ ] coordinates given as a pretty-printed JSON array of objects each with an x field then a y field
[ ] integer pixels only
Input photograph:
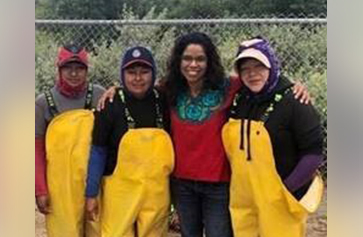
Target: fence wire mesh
[{"x": 301, "y": 45}]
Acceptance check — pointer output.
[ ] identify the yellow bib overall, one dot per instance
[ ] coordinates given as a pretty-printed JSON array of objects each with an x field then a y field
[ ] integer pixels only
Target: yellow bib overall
[
  {"x": 136, "y": 197},
  {"x": 68, "y": 141},
  {"x": 260, "y": 204}
]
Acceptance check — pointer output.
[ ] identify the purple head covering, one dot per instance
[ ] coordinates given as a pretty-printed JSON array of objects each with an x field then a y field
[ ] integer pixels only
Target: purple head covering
[{"x": 260, "y": 49}]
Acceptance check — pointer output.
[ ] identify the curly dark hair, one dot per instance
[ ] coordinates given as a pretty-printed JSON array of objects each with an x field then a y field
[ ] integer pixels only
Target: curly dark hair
[{"x": 176, "y": 83}]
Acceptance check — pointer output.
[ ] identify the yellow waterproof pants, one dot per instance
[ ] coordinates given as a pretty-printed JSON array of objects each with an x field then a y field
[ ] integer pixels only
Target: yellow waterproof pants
[
  {"x": 260, "y": 205},
  {"x": 68, "y": 141},
  {"x": 136, "y": 197}
]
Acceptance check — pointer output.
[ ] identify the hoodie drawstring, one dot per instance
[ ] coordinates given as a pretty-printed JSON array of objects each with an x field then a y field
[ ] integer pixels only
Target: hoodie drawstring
[
  {"x": 250, "y": 111},
  {"x": 249, "y": 140},
  {"x": 241, "y": 146}
]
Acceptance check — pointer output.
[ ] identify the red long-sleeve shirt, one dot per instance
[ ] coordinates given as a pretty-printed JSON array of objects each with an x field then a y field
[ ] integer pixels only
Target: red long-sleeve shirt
[
  {"x": 199, "y": 151},
  {"x": 40, "y": 164}
]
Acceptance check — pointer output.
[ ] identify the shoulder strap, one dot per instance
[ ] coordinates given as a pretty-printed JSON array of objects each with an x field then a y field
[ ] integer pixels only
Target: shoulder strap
[
  {"x": 89, "y": 94},
  {"x": 130, "y": 120},
  {"x": 233, "y": 109},
  {"x": 278, "y": 97},
  {"x": 159, "y": 115},
  {"x": 51, "y": 104}
]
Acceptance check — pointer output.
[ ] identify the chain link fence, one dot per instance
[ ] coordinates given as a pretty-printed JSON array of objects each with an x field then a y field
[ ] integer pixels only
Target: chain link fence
[{"x": 301, "y": 45}]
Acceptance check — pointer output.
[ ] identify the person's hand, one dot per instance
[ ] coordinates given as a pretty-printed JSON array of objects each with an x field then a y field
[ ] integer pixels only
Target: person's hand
[
  {"x": 108, "y": 95},
  {"x": 301, "y": 92},
  {"x": 92, "y": 209},
  {"x": 174, "y": 224},
  {"x": 43, "y": 204}
]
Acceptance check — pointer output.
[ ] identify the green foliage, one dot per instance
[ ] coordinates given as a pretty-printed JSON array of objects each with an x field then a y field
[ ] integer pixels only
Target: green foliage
[
  {"x": 302, "y": 50},
  {"x": 158, "y": 39},
  {"x": 111, "y": 9},
  {"x": 45, "y": 54}
]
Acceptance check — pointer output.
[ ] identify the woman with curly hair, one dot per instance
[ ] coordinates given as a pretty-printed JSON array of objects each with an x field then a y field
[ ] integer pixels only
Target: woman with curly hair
[{"x": 198, "y": 93}]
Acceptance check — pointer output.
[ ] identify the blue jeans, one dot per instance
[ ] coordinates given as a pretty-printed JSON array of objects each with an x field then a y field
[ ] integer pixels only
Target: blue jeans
[{"x": 202, "y": 205}]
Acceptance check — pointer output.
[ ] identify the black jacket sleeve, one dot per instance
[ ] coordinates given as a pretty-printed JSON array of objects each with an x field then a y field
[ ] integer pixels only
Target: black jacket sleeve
[{"x": 307, "y": 129}]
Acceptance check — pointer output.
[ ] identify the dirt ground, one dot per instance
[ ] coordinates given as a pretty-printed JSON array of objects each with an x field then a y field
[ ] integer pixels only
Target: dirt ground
[{"x": 317, "y": 223}]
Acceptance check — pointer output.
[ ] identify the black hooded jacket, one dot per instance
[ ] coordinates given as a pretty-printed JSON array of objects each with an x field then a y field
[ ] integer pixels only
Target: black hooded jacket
[{"x": 294, "y": 128}]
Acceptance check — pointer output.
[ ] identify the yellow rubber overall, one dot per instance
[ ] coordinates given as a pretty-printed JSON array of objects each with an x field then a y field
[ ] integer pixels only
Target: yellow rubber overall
[
  {"x": 260, "y": 205},
  {"x": 68, "y": 141},
  {"x": 136, "y": 197}
]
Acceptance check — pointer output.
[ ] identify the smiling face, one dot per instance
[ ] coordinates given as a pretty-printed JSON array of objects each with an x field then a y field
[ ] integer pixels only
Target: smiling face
[
  {"x": 254, "y": 74},
  {"x": 74, "y": 73},
  {"x": 193, "y": 64},
  {"x": 138, "y": 79}
]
